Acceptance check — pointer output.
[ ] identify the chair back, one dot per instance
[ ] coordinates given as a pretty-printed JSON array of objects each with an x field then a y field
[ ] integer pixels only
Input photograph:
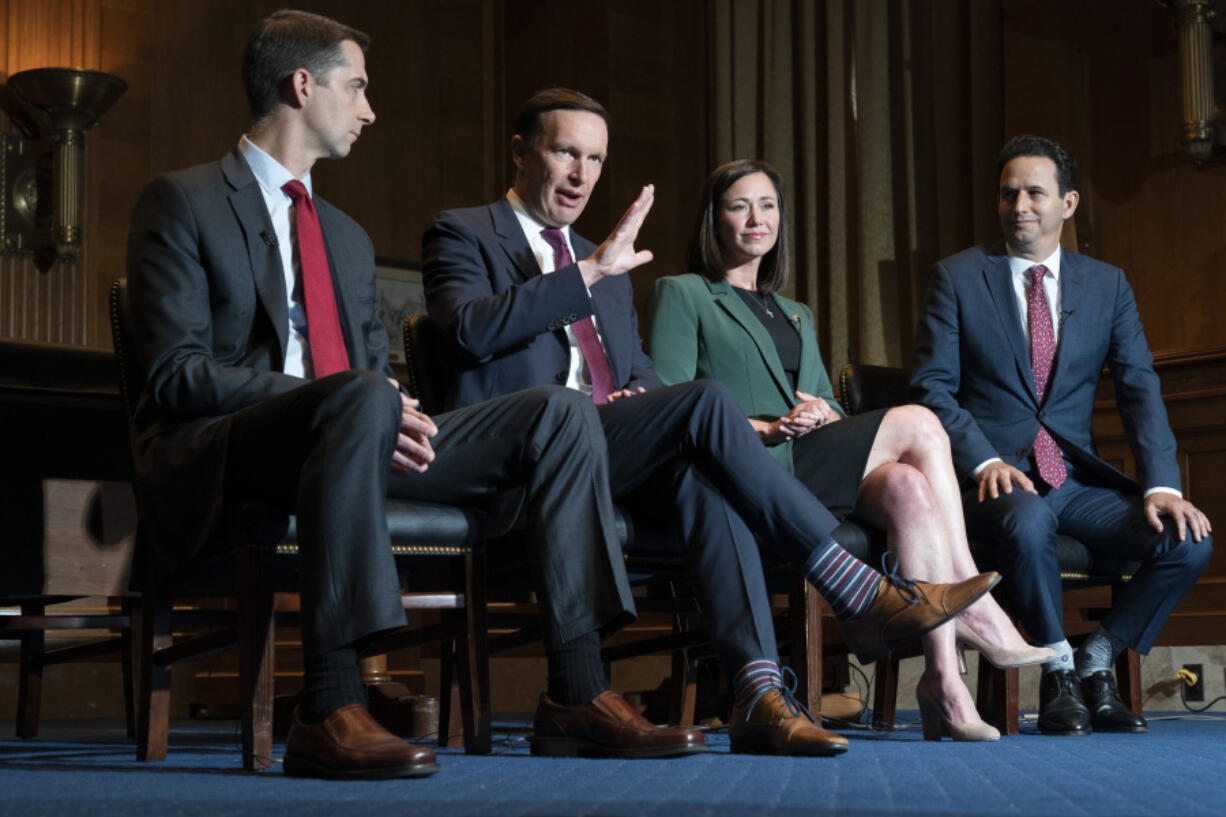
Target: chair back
[
  {"x": 865, "y": 388},
  {"x": 130, "y": 382},
  {"x": 423, "y": 354}
]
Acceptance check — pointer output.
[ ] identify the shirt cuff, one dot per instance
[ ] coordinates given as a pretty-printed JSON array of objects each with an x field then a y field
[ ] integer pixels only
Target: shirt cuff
[
  {"x": 984, "y": 464},
  {"x": 1162, "y": 490}
]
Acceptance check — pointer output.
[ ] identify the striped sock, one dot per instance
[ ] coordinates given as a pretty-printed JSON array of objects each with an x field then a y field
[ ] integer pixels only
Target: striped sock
[
  {"x": 848, "y": 585},
  {"x": 755, "y": 678}
]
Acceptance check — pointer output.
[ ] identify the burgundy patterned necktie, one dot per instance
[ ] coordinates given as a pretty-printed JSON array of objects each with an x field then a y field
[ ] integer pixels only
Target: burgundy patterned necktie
[
  {"x": 1042, "y": 352},
  {"x": 585, "y": 330},
  {"x": 324, "y": 338}
]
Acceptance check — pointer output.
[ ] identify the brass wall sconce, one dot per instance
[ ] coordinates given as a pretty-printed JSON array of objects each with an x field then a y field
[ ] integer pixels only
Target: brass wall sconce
[
  {"x": 1204, "y": 99},
  {"x": 43, "y": 190}
]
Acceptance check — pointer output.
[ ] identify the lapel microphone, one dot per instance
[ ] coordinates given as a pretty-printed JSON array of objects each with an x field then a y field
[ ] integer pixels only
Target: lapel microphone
[{"x": 271, "y": 240}]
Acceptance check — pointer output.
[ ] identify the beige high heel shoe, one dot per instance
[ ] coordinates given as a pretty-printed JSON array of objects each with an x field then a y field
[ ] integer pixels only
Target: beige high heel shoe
[
  {"x": 998, "y": 657},
  {"x": 936, "y": 725}
]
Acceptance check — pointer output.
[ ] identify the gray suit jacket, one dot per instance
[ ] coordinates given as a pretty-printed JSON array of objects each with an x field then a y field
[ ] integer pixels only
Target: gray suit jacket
[
  {"x": 209, "y": 322},
  {"x": 972, "y": 367}
]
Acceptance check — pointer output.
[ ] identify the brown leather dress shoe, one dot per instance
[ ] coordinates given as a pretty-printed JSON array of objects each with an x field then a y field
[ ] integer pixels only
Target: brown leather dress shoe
[
  {"x": 350, "y": 745},
  {"x": 606, "y": 726},
  {"x": 906, "y": 609},
  {"x": 775, "y": 725}
]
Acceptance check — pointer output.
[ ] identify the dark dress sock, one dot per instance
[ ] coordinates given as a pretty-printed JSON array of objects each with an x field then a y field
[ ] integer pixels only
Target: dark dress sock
[
  {"x": 331, "y": 681},
  {"x": 576, "y": 674}
]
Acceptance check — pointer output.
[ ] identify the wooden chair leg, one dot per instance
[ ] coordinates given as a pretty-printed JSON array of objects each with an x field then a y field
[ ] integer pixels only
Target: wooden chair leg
[
  {"x": 30, "y": 683},
  {"x": 885, "y": 693},
  {"x": 473, "y": 651},
  {"x": 153, "y": 714},
  {"x": 450, "y": 721},
  {"x": 997, "y": 696},
  {"x": 256, "y": 642},
  {"x": 128, "y": 646},
  {"x": 1128, "y": 679},
  {"x": 806, "y": 644}
]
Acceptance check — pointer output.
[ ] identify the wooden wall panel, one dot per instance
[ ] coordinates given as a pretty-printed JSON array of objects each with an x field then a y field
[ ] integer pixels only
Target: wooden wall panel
[{"x": 1105, "y": 81}]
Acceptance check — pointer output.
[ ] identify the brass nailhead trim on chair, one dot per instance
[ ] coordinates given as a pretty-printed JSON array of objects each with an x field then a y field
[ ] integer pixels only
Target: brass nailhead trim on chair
[{"x": 289, "y": 549}]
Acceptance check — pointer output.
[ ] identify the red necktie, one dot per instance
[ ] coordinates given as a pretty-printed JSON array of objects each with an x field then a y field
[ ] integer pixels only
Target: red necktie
[
  {"x": 324, "y": 338},
  {"x": 1042, "y": 352},
  {"x": 585, "y": 330}
]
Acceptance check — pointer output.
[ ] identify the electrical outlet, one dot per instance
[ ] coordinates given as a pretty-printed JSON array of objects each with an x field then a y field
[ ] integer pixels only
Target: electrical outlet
[{"x": 1196, "y": 692}]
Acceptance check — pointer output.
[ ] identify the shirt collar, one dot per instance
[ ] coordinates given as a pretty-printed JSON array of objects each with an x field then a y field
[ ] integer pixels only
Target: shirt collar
[
  {"x": 271, "y": 174},
  {"x": 1020, "y": 266},
  {"x": 531, "y": 226}
]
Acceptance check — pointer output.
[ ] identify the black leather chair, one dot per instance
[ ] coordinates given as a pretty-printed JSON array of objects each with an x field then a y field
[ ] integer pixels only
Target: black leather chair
[
  {"x": 864, "y": 388},
  {"x": 439, "y": 554}
]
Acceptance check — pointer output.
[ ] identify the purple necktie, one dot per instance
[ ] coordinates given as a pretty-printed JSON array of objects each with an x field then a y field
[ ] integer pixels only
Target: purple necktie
[
  {"x": 1042, "y": 352},
  {"x": 585, "y": 330}
]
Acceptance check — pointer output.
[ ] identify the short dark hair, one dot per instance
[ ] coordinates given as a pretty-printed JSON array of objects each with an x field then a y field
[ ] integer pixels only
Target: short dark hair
[
  {"x": 284, "y": 42},
  {"x": 528, "y": 121},
  {"x": 1029, "y": 145},
  {"x": 705, "y": 253}
]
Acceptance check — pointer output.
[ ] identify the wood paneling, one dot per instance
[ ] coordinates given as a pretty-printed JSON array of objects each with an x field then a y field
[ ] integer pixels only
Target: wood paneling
[{"x": 1103, "y": 78}]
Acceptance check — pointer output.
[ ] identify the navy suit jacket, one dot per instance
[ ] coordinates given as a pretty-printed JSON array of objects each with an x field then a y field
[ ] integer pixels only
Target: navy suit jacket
[
  {"x": 972, "y": 367},
  {"x": 209, "y": 323},
  {"x": 504, "y": 321}
]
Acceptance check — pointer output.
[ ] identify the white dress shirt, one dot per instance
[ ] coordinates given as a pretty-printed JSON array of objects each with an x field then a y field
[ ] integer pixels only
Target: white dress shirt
[
  {"x": 1023, "y": 280},
  {"x": 577, "y": 376},
  {"x": 271, "y": 176}
]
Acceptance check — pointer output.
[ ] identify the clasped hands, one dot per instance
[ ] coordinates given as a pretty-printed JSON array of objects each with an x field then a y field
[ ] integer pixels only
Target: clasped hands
[
  {"x": 998, "y": 478},
  {"x": 810, "y": 413},
  {"x": 413, "y": 450}
]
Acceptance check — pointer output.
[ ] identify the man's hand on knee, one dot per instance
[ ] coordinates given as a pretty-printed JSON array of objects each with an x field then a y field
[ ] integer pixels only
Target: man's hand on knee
[
  {"x": 413, "y": 449},
  {"x": 999, "y": 477},
  {"x": 1186, "y": 515}
]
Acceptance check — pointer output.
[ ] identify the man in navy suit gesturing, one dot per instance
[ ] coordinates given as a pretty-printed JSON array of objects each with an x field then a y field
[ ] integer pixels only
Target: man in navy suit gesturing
[{"x": 1011, "y": 343}]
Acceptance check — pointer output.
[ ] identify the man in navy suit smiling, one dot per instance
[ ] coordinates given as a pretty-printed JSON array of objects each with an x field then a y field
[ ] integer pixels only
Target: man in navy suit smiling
[{"x": 1009, "y": 350}]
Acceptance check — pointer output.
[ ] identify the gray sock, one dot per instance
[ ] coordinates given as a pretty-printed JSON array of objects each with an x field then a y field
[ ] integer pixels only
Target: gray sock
[
  {"x": 1098, "y": 653},
  {"x": 1064, "y": 656}
]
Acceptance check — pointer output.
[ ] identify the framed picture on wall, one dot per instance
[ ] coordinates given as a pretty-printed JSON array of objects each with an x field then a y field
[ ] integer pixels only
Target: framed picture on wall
[{"x": 398, "y": 294}]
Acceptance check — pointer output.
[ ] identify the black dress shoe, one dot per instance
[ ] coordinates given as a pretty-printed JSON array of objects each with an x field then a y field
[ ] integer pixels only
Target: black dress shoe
[
  {"x": 1062, "y": 711},
  {"x": 1107, "y": 712}
]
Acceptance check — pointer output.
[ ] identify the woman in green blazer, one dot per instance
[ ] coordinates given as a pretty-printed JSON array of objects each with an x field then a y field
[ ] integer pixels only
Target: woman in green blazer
[{"x": 892, "y": 468}]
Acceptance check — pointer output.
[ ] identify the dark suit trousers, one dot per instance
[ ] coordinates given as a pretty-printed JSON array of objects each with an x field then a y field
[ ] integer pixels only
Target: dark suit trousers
[
  {"x": 684, "y": 455},
  {"x": 1107, "y": 521},
  {"x": 323, "y": 452}
]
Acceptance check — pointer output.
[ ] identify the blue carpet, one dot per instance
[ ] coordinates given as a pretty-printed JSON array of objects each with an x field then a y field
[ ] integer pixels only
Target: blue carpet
[{"x": 1177, "y": 769}]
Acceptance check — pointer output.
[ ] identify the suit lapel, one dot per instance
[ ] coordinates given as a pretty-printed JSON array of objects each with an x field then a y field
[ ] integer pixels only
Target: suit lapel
[
  {"x": 806, "y": 378},
  {"x": 735, "y": 308},
  {"x": 511, "y": 238},
  {"x": 999, "y": 280},
  {"x": 248, "y": 204},
  {"x": 1072, "y": 290}
]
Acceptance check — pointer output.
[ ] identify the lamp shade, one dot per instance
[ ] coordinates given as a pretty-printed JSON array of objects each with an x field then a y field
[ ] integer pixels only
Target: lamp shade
[{"x": 69, "y": 98}]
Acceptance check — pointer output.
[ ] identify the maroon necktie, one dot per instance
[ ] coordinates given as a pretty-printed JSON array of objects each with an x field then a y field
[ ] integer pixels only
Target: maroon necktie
[
  {"x": 324, "y": 338},
  {"x": 585, "y": 330},
  {"x": 1042, "y": 352}
]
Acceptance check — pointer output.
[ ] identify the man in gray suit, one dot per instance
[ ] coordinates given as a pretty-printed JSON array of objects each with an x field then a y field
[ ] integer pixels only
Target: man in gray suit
[
  {"x": 1010, "y": 347},
  {"x": 266, "y": 378}
]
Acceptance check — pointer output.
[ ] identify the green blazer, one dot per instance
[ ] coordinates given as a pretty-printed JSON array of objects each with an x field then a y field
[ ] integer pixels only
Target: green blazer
[{"x": 700, "y": 328}]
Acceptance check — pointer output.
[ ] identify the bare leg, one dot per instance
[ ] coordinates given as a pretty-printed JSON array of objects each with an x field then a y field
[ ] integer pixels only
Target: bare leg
[
  {"x": 912, "y": 435},
  {"x": 898, "y": 498}
]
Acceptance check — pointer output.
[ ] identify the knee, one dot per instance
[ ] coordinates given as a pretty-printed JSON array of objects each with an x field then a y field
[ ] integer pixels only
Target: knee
[
  {"x": 1193, "y": 555},
  {"x": 568, "y": 412},
  {"x": 905, "y": 491},
  {"x": 921, "y": 429},
  {"x": 362, "y": 397},
  {"x": 1027, "y": 531}
]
